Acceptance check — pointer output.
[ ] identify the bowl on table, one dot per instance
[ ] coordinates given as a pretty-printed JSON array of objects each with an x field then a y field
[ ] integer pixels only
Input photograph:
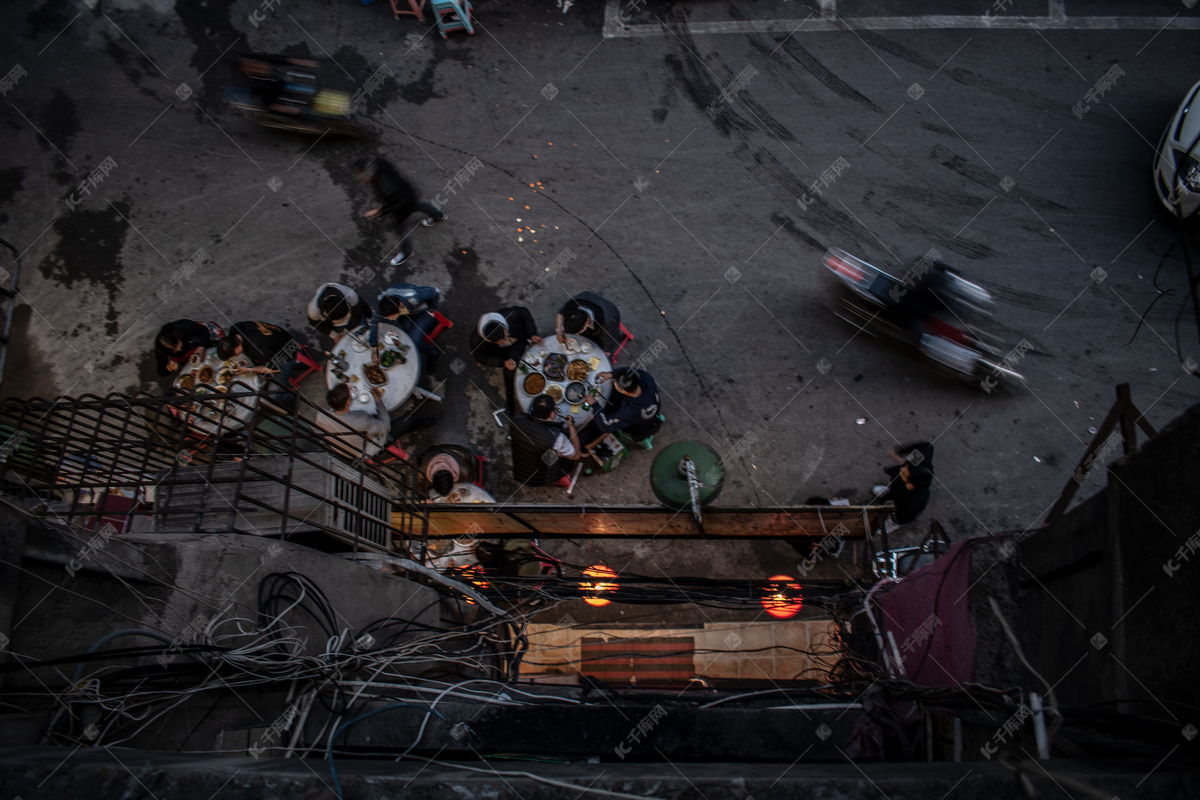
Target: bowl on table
[
  {"x": 534, "y": 383},
  {"x": 206, "y": 374},
  {"x": 575, "y": 392},
  {"x": 555, "y": 367},
  {"x": 555, "y": 391},
  {"x": 577, "y": 370}
]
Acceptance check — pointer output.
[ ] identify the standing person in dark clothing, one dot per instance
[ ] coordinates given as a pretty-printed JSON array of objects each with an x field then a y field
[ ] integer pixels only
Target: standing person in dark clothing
[
  {"x": 588, "y": 314},
  {"x": 499, "y": 340},
  {"x": 272, "y": 351},
  {"x": 542, "y": 452},
  {"x": 631, "y": 410},
  {"x": 336, "y": 309},
  {"x": 398, "y": 197},
  {"x": 911, "y": 478},
  {"x": 177, "y": 341}
]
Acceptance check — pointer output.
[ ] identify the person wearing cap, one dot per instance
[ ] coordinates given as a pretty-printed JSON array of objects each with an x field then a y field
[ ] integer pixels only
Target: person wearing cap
[
  {"x": 632, "y": 410},
  {"x": 500, "y": 339},
  {"x": 542, "y": 451},
  {"x": 398, "y": 197},
  {"x": 410, "y": 308},
  {"x": 588, "y": 314},
  {"x": 911, "y": 479},
  {"x": 336, "y": 309}
]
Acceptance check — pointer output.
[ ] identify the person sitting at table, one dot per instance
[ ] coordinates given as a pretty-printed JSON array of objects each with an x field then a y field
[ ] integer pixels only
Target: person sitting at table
[
  {"x": 177, "y": 341},
  {"x": 542, "y": 453},
  {"x": 499, "y": 340},
  {"x": 411, "y": 308},
  {"x": 588, "y": 314},
  {"x": 633, "y": 409},
  {"x": 445, "y": 465},
  {"x": 272, "y": 351},
  {"x": 375, "y": 428},
  {"x": 336, "y": 309}
]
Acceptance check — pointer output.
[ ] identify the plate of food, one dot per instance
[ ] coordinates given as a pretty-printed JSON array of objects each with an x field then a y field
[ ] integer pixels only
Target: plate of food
[
  {"x": 203, "y": 390},
  {"x": 571, "y": 345},
  {"x": 194, "y": 360},
  {"x": 364, "y": 398},
  {"x": 225, "y": 377},
  {"x": 187, "y": 382},
  {"x": 206, "y": 374},
  {"x": 555, "y": 391},
  {"x": 585, "y": 347},
  {"x": 575, "y": 392},
  {"x": 555, "y": 366},
  {"x": 375, "y": 375},
  {"x": 222, "y": 389},
  {"x": 535, "y": 382},
  {"x": 577, "y": 370},
  {"x": 389, "y": 357}
]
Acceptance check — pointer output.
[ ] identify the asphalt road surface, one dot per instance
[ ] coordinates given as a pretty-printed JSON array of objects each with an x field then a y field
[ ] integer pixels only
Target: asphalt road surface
[{"x": 666, "y": 147}]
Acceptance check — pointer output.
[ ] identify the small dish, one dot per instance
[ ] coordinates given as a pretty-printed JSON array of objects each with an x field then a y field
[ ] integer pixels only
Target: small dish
[{"x": 364, "y": 398}]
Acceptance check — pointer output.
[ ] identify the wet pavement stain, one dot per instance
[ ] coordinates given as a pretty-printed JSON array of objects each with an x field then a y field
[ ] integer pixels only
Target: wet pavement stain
[
  {"x": 12, "y": 180},
  {"x": 59, "y": 124},
  {"x": 89, "y": 249}
]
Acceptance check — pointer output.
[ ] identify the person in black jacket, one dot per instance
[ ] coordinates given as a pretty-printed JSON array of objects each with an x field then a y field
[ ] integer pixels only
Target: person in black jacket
[
  {"x": 176, "y": 341},
  {"x": 336, "y": 309},
  {"x": 272, "y": 351},
  {"x": 911, "y": 479},
  {"x": 398, "y": 197},
  {"x": 588, "y": 314},
  {"x": 542, "y": 452},
  {"x": 499, "y": 340}
]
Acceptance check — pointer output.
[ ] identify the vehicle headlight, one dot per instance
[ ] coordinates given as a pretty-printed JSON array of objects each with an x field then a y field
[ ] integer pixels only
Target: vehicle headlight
[{"x": 1190, "y": 175}]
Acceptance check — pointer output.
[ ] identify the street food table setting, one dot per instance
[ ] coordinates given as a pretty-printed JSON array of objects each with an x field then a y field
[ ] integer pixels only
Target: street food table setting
[
  {"x": 397, "y": 372},
  {"x": 463, "y": 492},
  {"x": 567, "y": 371},
  {"x": 206, "y": 373}
]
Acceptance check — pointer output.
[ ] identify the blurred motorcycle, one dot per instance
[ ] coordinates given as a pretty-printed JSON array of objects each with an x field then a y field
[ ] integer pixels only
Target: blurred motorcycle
[
  {"x": 911, "y": 314},
  {"x": 282, "y": 93}
]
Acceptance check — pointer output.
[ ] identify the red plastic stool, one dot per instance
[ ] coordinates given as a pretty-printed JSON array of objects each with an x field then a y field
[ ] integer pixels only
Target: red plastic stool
[
  {"x": 304, "y": 356},
  {"x": 442, "y": 323},
  {"x": 628, "y": 338}
]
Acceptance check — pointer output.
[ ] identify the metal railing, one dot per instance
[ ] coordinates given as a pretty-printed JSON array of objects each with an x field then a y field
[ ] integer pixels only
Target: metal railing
[{"x": 230, "y": 461}]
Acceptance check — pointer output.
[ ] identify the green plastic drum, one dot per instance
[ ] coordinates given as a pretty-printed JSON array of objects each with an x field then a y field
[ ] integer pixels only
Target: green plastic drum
[{"x": 669, "y": 481}]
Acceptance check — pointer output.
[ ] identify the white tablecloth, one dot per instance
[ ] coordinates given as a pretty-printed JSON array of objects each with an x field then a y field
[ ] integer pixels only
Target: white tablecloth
[
  {"x": 213, "y": 414},
  {"x": 464, "y": 492},
  {"x": 535, "y": 358},
  {"x": 402, "y": 378}
]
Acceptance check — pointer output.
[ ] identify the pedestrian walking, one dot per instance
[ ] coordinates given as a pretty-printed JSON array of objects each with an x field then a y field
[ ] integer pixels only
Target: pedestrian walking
[
  {"x": 910, "y": 480},
  {"x": 398, "y": 197}
]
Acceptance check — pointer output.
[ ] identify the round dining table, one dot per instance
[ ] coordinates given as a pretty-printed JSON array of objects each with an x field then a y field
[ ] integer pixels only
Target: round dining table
[
  {"x": 354, "y": 353},
  {"x": 211, "y": 412},
  {"x": 551, "y": 360}
]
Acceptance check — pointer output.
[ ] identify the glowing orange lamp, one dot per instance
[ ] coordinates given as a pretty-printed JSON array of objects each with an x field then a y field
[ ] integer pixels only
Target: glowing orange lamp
[
  {"x": 782, "y": 599},
  {"x": 598, "y": 571},
  {"x": 473, "y": 574}
]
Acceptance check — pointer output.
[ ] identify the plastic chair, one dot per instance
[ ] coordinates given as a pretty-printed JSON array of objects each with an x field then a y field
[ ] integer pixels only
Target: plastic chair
[
  {"x": 628, "y": 338},
  {"x": 415, "y": 8},
  {"x": 442, "y": 323},
  {"x": 389, "y": 454},
  {"x": 459, "y": 13},
  {"x": 304, "y": 356}
]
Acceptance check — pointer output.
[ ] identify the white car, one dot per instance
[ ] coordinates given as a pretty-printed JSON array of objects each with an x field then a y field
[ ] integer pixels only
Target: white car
[{"x": 1177, "y": 166}]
